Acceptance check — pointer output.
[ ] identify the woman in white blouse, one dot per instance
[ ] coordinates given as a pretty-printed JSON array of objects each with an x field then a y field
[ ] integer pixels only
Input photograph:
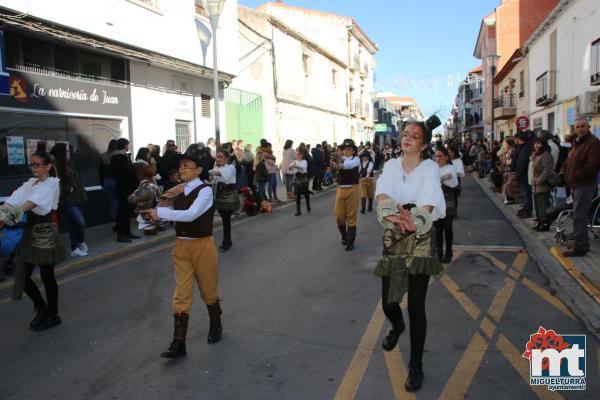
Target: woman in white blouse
[
  {"x": 226, "y": 196},
  {"x": 460, "y": 172},
  {"x": 299, "y": 167},
  {"x": 41, "y": 243},
  {"x": 443, "y": 226},
  {"x": 409, "y": 258}
]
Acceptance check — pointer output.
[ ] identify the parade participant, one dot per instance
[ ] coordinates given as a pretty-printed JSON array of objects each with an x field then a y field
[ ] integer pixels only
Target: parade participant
[
  {"x": 194, "y": 256},
  {"x": 366, "y": 181},
  {"x": 41, "y": 243},
  {"x": 443, "y": 226},
  {"x": 346, "y": 195},
  {"x": 460, "y": 173},
  {"x": 300, "y": 168},
  {"x": 226, "y": 196},
  {"x": 409, "y": 257}
]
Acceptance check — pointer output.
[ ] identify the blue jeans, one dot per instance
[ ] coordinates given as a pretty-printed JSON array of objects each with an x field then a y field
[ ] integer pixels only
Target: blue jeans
[
  {"x": 76, "y": 225},
  {"x": 110, "y": 188},
  {"x": 289, "y": 182},
  {"x": 525, "y": 189},
  {"x": 272, "y": 186}
]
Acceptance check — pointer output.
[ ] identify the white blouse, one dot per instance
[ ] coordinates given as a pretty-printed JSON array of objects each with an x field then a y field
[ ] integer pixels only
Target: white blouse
[
  {"x": 421, "y": 187},
  {"x": 299, "y": 166},
  {"x": 449, "y": 169},
  {"x": 460, "y": 167},
  {"x": 227, "y": 174},
  {"x": 44, "y": 194}
]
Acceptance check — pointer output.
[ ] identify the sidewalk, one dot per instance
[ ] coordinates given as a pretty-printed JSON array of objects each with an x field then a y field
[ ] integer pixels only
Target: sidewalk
[
  {"x": 103, "y": 247},
  {"x": 579, "y": 277}
]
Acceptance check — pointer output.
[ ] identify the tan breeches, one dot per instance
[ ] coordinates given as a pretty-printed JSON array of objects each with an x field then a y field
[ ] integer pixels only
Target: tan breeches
[
  {"x": 366, "y": 188},
  {"x": 346, "y": 205},
  {"x": 194, "y": 259}
]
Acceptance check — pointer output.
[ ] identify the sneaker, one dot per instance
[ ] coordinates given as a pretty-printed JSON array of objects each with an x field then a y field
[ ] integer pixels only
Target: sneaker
[
  {"x": 78, "y": 253},
  {"x": 83, "y": 247}
]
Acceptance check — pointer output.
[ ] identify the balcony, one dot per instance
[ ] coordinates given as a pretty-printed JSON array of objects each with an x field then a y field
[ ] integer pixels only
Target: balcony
[
  {"x": 545, "y": 88},
  {"x": 505, "y": 107},
  {"x": 595, "y": 79}
]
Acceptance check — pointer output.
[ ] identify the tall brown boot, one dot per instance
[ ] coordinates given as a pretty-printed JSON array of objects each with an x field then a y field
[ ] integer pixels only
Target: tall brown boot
[
  {"x": 342, "y": 229},
  {"x": 177, "y": 348},
  {"x": 350, "y": 238},
  {"x": 214, "y": 312}
]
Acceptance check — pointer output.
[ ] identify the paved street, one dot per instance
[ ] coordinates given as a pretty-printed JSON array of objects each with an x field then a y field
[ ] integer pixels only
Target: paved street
[{"x": 302, "y": 320}]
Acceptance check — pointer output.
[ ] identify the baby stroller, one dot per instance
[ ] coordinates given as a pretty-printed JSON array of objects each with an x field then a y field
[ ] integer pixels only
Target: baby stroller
[{"x": 564, "y": 223}]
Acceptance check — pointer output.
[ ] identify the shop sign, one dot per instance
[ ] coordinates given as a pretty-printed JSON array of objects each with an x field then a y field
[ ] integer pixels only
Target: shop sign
[
  {"x": 381, "y": 128},
  {"x": 4, "y": 76},
  {"x": 522, "y": 123},
  {"x": 44, "y": 92}
]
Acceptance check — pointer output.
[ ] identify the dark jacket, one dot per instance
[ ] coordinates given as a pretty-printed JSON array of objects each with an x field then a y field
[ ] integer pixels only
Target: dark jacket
[
  {"x": 167, "y": 163},
  {"x": 72, "y": 192},
  {"x": 262, "y": 174},
  {"x": 582, "y": 165},
  {"x": 521, "y": 162},
  {"x": 122, "y": 170}
]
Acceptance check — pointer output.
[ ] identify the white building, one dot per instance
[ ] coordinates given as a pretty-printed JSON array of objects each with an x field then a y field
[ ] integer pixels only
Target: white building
[
  {"x": 348, "y": 67},
  {"x": 86, "y": 72},
  {"x": 564, "y": 67}
]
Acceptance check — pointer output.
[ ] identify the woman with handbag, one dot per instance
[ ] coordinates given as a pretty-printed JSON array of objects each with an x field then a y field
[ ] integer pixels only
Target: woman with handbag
[
  {"x": 300, "y": 168},
  {"x": 409, "y": 198},
  {"x": 226, "y": 196},
  {"x": 542, "y": 168},
  {"x": 41, "y": 243},
  {"x": 443, "y": 227}
]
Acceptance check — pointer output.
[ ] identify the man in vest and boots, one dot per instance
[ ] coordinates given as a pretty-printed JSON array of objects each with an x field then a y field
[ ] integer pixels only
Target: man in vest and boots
[
  {"x": 194, "y": 256},
  {"x": 346, "y": 195},
  {"x": 366, "y": 181}
]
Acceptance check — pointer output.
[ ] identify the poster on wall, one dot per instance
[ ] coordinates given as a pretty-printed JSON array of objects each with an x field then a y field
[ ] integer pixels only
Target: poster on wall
[
  {"x": 15, "y": 150},
  {"x": 34, "y": 144}
]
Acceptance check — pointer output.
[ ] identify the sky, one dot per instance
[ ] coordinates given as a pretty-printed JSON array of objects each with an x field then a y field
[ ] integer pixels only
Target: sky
[{"x": 425, "y": 46}]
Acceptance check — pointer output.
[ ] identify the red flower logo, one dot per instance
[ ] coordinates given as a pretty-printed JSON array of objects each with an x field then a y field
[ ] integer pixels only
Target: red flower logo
[{"x": 545, "y": 339}]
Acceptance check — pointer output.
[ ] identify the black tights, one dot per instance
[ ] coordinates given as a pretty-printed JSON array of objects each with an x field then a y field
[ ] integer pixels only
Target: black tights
[
  {"x": 47, "y": 273},
  {"x": 299, "y": 191},
  {"x": 417, "y": 291},
  {"x": 226, "y": 217},
  {"x": 443, "y": 228}
]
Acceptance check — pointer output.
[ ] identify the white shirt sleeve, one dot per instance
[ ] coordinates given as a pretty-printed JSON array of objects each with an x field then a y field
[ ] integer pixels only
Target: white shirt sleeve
[
  {"x": 460, "y": 167},
  {"x": 19, "y": 196},
  {"x": 43, "y": 194},
  {"x": 385, "y": 181},
  {"x": 300, "y": 166},
  {"x": 350, "y": 163},
  {"x": 431, "y": 192},
  {"x": 203, "y": 203},
  {"x": 228, "y": 174}
]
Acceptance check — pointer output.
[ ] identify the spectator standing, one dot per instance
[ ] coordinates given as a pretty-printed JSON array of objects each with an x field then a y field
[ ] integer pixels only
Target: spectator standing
[
  {"x": 580, "y": 174},
  {"x": 272, "y": 170},
  {"x": 261, "y": 175},
  {"x": 169, "y": 160},
  {"x": 249, "y": 157},
  {"x": 521, "y": 168},
  {"x": 317, "y": 157},
  {"x": 107, "y": 181},
  {"x": 126, "y": 183},
  {"x": 542, "y": 167},
  {"x": 226, "y": 196},
  {"x": 72, "y": 198},
  {"x": 300, "y": 168},
  {"x": 288, "y": 157}
]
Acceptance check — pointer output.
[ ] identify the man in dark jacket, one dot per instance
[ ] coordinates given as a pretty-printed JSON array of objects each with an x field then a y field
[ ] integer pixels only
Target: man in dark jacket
[
  {"x": 521, "y": 168},
  {"x": 124, "y": 175},
  {"x": 317, "y": 166},
  {"x": 169, "y": 161},
  {"x": 581, "y": 176}
]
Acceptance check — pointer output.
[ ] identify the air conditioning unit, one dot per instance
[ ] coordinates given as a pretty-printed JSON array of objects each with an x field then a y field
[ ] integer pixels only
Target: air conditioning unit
[{"x": 588, "y": 103}]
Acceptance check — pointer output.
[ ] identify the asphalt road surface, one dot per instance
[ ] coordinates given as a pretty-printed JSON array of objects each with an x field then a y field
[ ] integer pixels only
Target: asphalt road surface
[{"x": 301, "y": 318}]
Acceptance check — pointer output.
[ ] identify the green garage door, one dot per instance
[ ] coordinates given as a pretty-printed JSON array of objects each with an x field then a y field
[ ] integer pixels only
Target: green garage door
[{"x": 244, "y": 113}]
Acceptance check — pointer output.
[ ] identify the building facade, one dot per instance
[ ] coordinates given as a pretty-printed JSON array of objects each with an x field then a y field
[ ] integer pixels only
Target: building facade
[{"x": 512, "y": 95}]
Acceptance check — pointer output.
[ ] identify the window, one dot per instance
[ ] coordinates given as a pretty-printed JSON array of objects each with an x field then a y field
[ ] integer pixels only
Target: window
[
  {"x": 334, "y": 77},
  {"x": 305, "y": 64},
  {"x": 595, "y": 67},
  {"x": 522, "y": 84},
  {"x": 182, "y": 134},
  {"x": 205, "y": 99}
]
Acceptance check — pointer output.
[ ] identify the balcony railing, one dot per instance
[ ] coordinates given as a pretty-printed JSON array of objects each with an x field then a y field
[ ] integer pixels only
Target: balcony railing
[
  {"x": 545, "y": 88},
  {"x": 505, "y": 107}
]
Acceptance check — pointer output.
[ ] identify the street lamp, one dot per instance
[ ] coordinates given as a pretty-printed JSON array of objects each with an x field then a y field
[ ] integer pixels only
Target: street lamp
[
  {"x": 494, "y": 58},
  {"x": 214, "y": 8}
]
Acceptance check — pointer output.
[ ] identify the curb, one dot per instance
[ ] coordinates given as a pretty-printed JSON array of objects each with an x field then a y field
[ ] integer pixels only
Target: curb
[
  {"x": 562, "y": 279},
  {"x": 92, "y": 261},
  {"x": 584, "y": 282}
]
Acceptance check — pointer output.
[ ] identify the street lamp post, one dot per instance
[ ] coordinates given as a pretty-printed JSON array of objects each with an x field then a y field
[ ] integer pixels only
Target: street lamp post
[
  {"x": 214, "y": 8},
  {"x": 493, "y": 57}
]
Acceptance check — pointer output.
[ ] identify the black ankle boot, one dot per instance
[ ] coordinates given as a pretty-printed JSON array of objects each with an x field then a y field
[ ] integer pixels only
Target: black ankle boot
[
  {"x": 391, "y": 339},
  {"x": 448, "y": 257},
  {"x": 344, "y": 233},
  {"x": 363, "y": 202},
  {"x": 39, "y": 314},
  {"x": 47, "y": 320},
  {"x": 350, "y": 238},
  {"x": 177, "y": 347},
  {"x": 415, "y": 378},
  {"x": 307, "y": 206},
  {"x": 370, "y": 205},
  {"x": 214, "y": 333},
  {"x": 298, "y": 210}
]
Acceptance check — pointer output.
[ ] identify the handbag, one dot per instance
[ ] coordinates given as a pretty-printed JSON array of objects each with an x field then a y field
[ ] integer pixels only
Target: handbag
[
  {"x": 300, "y": 180},
  {"x": 554, "y": 179},
  {"x": 227, "y": 197}
]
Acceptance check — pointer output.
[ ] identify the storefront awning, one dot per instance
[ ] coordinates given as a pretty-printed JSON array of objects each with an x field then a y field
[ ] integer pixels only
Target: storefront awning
[{"x": 48, "y": 30}]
